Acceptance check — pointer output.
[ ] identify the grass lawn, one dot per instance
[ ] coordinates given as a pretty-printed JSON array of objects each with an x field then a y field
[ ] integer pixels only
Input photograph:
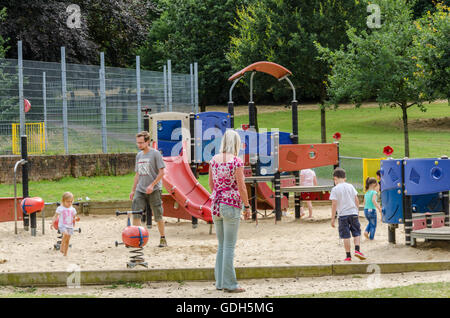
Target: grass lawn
[
  {"x": 427, "y": 290},
  {"x": 365, "y": 131}
]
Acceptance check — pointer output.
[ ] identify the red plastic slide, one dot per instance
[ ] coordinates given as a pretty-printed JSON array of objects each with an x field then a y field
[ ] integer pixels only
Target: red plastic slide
[{"x": 182, "y": 185}]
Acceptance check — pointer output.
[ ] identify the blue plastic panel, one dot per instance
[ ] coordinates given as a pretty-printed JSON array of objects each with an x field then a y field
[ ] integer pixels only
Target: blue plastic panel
[
  {"x": 169, "y": 148},
  {"x": 209, "y": 129},
  {"x": 427, "y": 203},
  {"x": 392, "y": 206},
  {"x": 391, "y": 174},
  {"x": 166, "y": 129},
  {"x": 425, "y": 176}
]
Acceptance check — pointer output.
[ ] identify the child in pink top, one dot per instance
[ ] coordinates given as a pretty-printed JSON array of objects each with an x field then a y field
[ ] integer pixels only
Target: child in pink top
[
  {"x": 66, "y": 213},
  {"x": 308, "y": 178}
]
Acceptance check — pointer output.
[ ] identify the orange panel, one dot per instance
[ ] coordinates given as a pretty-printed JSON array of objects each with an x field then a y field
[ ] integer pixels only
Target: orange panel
[
  {"x": 270, "y": 68},
  {"x": 7, "y": 209},
  {"x": 297, "y": 157}
]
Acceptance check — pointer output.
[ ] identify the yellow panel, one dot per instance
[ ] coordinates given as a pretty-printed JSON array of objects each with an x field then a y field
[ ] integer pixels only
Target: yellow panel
[
  {"x": 370, "y": 168},
  {"x": 35, "y": 138}
]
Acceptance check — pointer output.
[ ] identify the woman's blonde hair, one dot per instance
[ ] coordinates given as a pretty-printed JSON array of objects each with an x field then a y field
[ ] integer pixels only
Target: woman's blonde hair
[
  {"x": 66, "y": 196},
  {"x": 231, "y": 142}
]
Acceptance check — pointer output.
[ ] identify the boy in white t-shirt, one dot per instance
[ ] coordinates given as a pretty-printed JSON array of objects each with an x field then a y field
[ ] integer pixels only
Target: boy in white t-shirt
[{"x": 344, "y": 200}]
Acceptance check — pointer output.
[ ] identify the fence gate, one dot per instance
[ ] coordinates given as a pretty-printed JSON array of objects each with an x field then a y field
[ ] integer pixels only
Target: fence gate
[{"x": 35, "y": 138}]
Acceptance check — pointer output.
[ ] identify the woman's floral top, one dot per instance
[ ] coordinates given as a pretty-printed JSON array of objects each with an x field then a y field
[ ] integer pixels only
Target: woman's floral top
[{"x": 225, "y": 186}]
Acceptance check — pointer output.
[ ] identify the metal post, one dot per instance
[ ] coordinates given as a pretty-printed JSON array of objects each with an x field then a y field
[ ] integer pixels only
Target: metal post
[
  {"x": 277, "y": 186},
  {"x": 21, "y": 97},
  {"x": 407, "y": 208},
  {"x": 103, "y": 102},
  {"x": 165, "y": 87},
  {"x": 169, "y": 83},
  {"x": 445, "y": 203},
  {"x": 231, "y": 112},
  {"x": 196, "y": 87},
  {"x": 294, "y": 137},
  {"x": 27, "y": 219},
  {"x": 44, "y": 98},
  {"x": 21, "y": 162},
  {"x": 191, "y": 73},
  {"x": 64, "y": 99},
  {"x": 138, "y": 91},
  {"x": 339, "y": 158}
]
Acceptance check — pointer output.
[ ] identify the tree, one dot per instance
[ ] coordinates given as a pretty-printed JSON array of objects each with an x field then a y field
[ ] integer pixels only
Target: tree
[
  {"x": 379, "y": 64},
  {"x": 432, "y": 53},
  {"x": 190, "y": 31},
  {"x": 284, "y": 32},
  {"x": 7, "y": 79},
  {"x": 113, "y": 26}
]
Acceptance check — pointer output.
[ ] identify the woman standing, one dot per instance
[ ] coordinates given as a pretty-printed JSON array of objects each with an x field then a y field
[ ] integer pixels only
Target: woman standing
[{"x": 226, "y": 179}]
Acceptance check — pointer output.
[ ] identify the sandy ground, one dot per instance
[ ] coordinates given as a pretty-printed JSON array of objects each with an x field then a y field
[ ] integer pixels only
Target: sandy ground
[{"x": 289, "y": 242}]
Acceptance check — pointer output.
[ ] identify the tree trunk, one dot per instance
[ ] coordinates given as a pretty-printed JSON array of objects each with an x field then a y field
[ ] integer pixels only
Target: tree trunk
[
  {"x": 405, "y": 128},
  {"x": 323, "y": 124}
]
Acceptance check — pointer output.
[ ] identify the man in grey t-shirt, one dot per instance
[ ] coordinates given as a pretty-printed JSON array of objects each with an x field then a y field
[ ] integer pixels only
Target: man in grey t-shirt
[{"x": 147, "y": 183}]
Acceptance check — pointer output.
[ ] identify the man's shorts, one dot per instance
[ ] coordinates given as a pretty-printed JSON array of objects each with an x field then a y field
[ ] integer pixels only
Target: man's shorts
[
  {"x": 67, "y": 230},
  {"x": 349, "y": 224},
  {"x": 153, "y": 199}
]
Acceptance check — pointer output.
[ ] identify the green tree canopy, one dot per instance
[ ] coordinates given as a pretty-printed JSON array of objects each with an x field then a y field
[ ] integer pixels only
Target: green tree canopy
[
  {"x": 284, "y": 32},
  {"x": 432, "y": 53},
  {"x": 190, "y": 31},
  {"x": 112, "y": 26},
  {"x": 380, "y": 64}
]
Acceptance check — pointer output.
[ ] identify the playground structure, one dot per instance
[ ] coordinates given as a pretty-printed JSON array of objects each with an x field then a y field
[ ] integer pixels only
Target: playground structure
[
  {"x": 266, "y": 154},
  {"x": 415, "y": 192},
  {"x": 280, "y": 150}
]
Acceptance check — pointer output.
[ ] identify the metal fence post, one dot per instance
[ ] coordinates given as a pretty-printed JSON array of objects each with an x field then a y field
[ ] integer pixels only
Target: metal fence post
[
  {"x": 169, "y": 83},
  {"x": 44, "y": 99},
  {"x": 21, "y": 97},
  {"x": 196, "y": 87},
  {"x": 191, "y": 73},
  {"x": 103, "y": 102},
  {"x": 64, "y": 99},
  {"x": 138, "y": 91},
  {"x": 165, "y": 87}
]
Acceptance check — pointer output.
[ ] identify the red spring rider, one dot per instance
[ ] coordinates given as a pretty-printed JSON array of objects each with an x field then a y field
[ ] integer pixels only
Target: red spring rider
[{"x": 136, "y": 237}]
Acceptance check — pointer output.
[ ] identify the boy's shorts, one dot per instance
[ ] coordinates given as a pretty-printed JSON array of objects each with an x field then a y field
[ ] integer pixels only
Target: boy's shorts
[
  {"x": 153, "y": 199},
  {"x": 63, "y": 229},
  {"x": 349, "y": 224}
]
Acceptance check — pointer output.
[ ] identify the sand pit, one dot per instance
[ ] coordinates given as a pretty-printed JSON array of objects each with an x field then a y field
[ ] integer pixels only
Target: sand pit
[{"x": 289, "y": 242}]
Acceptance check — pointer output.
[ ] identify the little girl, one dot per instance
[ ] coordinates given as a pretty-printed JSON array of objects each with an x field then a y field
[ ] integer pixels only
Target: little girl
[
  {"x": 370, "y": 207},
  {"x": 308, "y": 178},
  {"x": 66, "y": 215}
]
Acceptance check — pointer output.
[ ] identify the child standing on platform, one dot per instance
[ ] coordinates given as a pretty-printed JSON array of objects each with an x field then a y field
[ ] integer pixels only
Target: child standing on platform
[
  {"x": 344, "y": 201},
  {"x": 308, "y": 178},
  {"x": 370, "y": 207},
  {"x": 66, "y": 213}
]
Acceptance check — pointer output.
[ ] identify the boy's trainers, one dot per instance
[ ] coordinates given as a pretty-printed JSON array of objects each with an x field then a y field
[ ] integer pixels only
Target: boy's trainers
[
  {"x": 360, "y": 255},
  {"x": 348, "y": 259}
]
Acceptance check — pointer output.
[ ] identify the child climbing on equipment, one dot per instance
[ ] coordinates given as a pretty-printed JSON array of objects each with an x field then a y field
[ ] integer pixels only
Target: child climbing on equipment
[
  {"x": 308, "y": 178},
  {"x": 344, "y": 201},
  {"x": 66, "y": 214},
  {"x": 370, "y": 207}
]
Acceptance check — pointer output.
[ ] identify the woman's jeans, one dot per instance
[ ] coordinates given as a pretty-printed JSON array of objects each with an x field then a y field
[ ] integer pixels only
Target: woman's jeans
[
  {"x": 371, "y": 216},
  {"x": 226, "y": 225}
]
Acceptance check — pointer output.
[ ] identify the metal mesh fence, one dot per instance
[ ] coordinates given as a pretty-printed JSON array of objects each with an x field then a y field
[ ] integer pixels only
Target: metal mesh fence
[
  {"x": 353, "y": 169},
  {"x": 43, "y": 87}
]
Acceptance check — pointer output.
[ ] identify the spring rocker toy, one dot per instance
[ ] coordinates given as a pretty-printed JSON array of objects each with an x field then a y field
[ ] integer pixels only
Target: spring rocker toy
[
  {"x": 57, "y": 246},
  {"x": 135, "y": 237}
]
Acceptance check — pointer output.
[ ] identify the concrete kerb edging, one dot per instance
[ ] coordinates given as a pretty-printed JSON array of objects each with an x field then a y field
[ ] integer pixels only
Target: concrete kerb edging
[{"x": 106, "y": 277}]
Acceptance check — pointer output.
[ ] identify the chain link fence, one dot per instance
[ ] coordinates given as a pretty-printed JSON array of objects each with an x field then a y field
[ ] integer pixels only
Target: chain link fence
[{"x": 100, "y": 110}]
